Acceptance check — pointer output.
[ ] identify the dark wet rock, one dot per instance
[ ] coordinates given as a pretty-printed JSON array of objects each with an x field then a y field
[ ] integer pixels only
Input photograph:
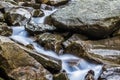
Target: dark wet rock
[
  {"x": 51, "y": 41},
  {"x": 57, "y": 2},
  {"x": 96, "y": 19},
  {"x": 52, "y": 2},
  {"x": 90, "y": 75},
  {"x": 35, "y": 28},
  {"x": 20, "y": 64},
  {"x": 1, "y": 17},
  {"x": 60, "y": 76},
  {"x": 112, "y": 73},
  {"x": 4, "y": 75},
  {"x": 116, "y": 33},
  {"x": 5, "y": 30},
  {"x": 17, "y": 16},
  {"x": 29, "y": 4},
  {"x": 38, "y": 13}
]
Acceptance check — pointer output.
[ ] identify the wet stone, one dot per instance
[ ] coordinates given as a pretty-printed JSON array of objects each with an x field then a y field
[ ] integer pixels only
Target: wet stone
[
  {"x": 38, "y": 13},
  {"x": 17, "y": 16},
  {"x": 51, "y": 41},
  {"x": 5, "y": 30},
  {"x": 37, "y": 28}
]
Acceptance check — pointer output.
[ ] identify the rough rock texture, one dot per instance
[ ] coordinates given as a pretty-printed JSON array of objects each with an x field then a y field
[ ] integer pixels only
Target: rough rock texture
[
  {"x": 51, "y": 41},
  {"x": 38, "y": 13},
  {"x": 52, "y": 2},
  {"x": 60, "y": 76},
  {"x": 29, "y": 4},
  {"x": 112, "y": 73},
  {"x": 17, "y": 16},
  {"x": 18, "y": 63},
  {"x": 35, "y": 28},
  {"x": 96, "y": 19},
  {"x": 5, "y": 30},
  {"x": 107, "y": 49},
  {"x": 75, "y": 45},
  {"x": 1, "y": 17}
]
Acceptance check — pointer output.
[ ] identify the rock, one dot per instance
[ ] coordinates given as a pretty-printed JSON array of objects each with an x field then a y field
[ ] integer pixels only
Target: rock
[
  {"x": 4, "y": 5},
  {"x": 46, "y": 7},
  {"x": 52, "y": 2},
  {"x": 17, "y": 16},
  {"x": 38, "y": 13},
  {"x": 117, "y": 33},
  {"x": 29, "y": 4},
  {"x": 75, "y": 45},
  {"x": 51, "y": 41},
  {"x": 96, "y": 19},
  {"x": 112, "y": 73},
  {"x": 1, "y": 17},
  {"x": 90, "y": 75},
  {"x": 5, "y": 30},
  {"x": 106, "y": 49},
  {"x": 57, "y": 2},
  {"x": 35, "y": 28},
  {"x": 20, "y": 64},
  {"x": 60, "y": 76}
]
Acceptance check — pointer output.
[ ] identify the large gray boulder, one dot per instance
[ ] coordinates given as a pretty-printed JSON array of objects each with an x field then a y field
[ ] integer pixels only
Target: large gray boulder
[{"x": 96, "y": 19}]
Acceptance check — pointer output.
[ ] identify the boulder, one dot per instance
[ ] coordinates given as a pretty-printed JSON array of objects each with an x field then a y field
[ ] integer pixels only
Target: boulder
[
  {"x": 106, "y": 49},
  {"x": 51, "y": 41},
  {"x": 35, "y": 28},
  {"x": 17, "y": 16},
  {"x": 5, "y": 30},
  {"x": 18, "y": 64},
  {"x": 96, "y": 19}
]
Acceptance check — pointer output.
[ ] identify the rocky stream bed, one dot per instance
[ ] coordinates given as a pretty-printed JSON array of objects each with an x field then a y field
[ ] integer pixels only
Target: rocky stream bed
[{"x": 59, "y": 40}]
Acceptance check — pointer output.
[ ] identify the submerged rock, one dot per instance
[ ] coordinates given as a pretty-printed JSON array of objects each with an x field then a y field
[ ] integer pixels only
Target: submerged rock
[
  {"x": 35, "y": 28},
  {"x": 96, "y": 19},
  {"x": 51, "y": 41},
  {"x": 20, "y": 64},
  {"x": 17, "y": 16},
  {"x": 5, "y": 30}
]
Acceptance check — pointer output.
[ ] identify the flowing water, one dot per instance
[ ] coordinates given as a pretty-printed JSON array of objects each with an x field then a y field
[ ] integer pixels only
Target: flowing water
[{"x": 75, "y": 67}]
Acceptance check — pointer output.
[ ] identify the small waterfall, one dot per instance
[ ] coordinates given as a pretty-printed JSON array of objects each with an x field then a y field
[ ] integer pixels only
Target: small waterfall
[{"x": 75, "y": 67}]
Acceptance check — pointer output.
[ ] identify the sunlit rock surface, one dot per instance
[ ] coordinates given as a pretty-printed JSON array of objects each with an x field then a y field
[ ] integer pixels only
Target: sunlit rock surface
[
  {"x": 51, "y": 41},
  {"x": 96, "y": 19},
  {"x": 18, "y": 62},
  {"x": 17, "y": 16}
]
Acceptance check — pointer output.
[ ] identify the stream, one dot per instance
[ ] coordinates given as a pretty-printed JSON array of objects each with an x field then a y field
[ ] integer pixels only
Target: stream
[{"x": 75, "y": 71}]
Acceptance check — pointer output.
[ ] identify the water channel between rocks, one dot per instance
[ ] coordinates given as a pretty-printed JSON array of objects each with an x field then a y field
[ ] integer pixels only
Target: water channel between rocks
[{"x": 74, "y": 72}]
